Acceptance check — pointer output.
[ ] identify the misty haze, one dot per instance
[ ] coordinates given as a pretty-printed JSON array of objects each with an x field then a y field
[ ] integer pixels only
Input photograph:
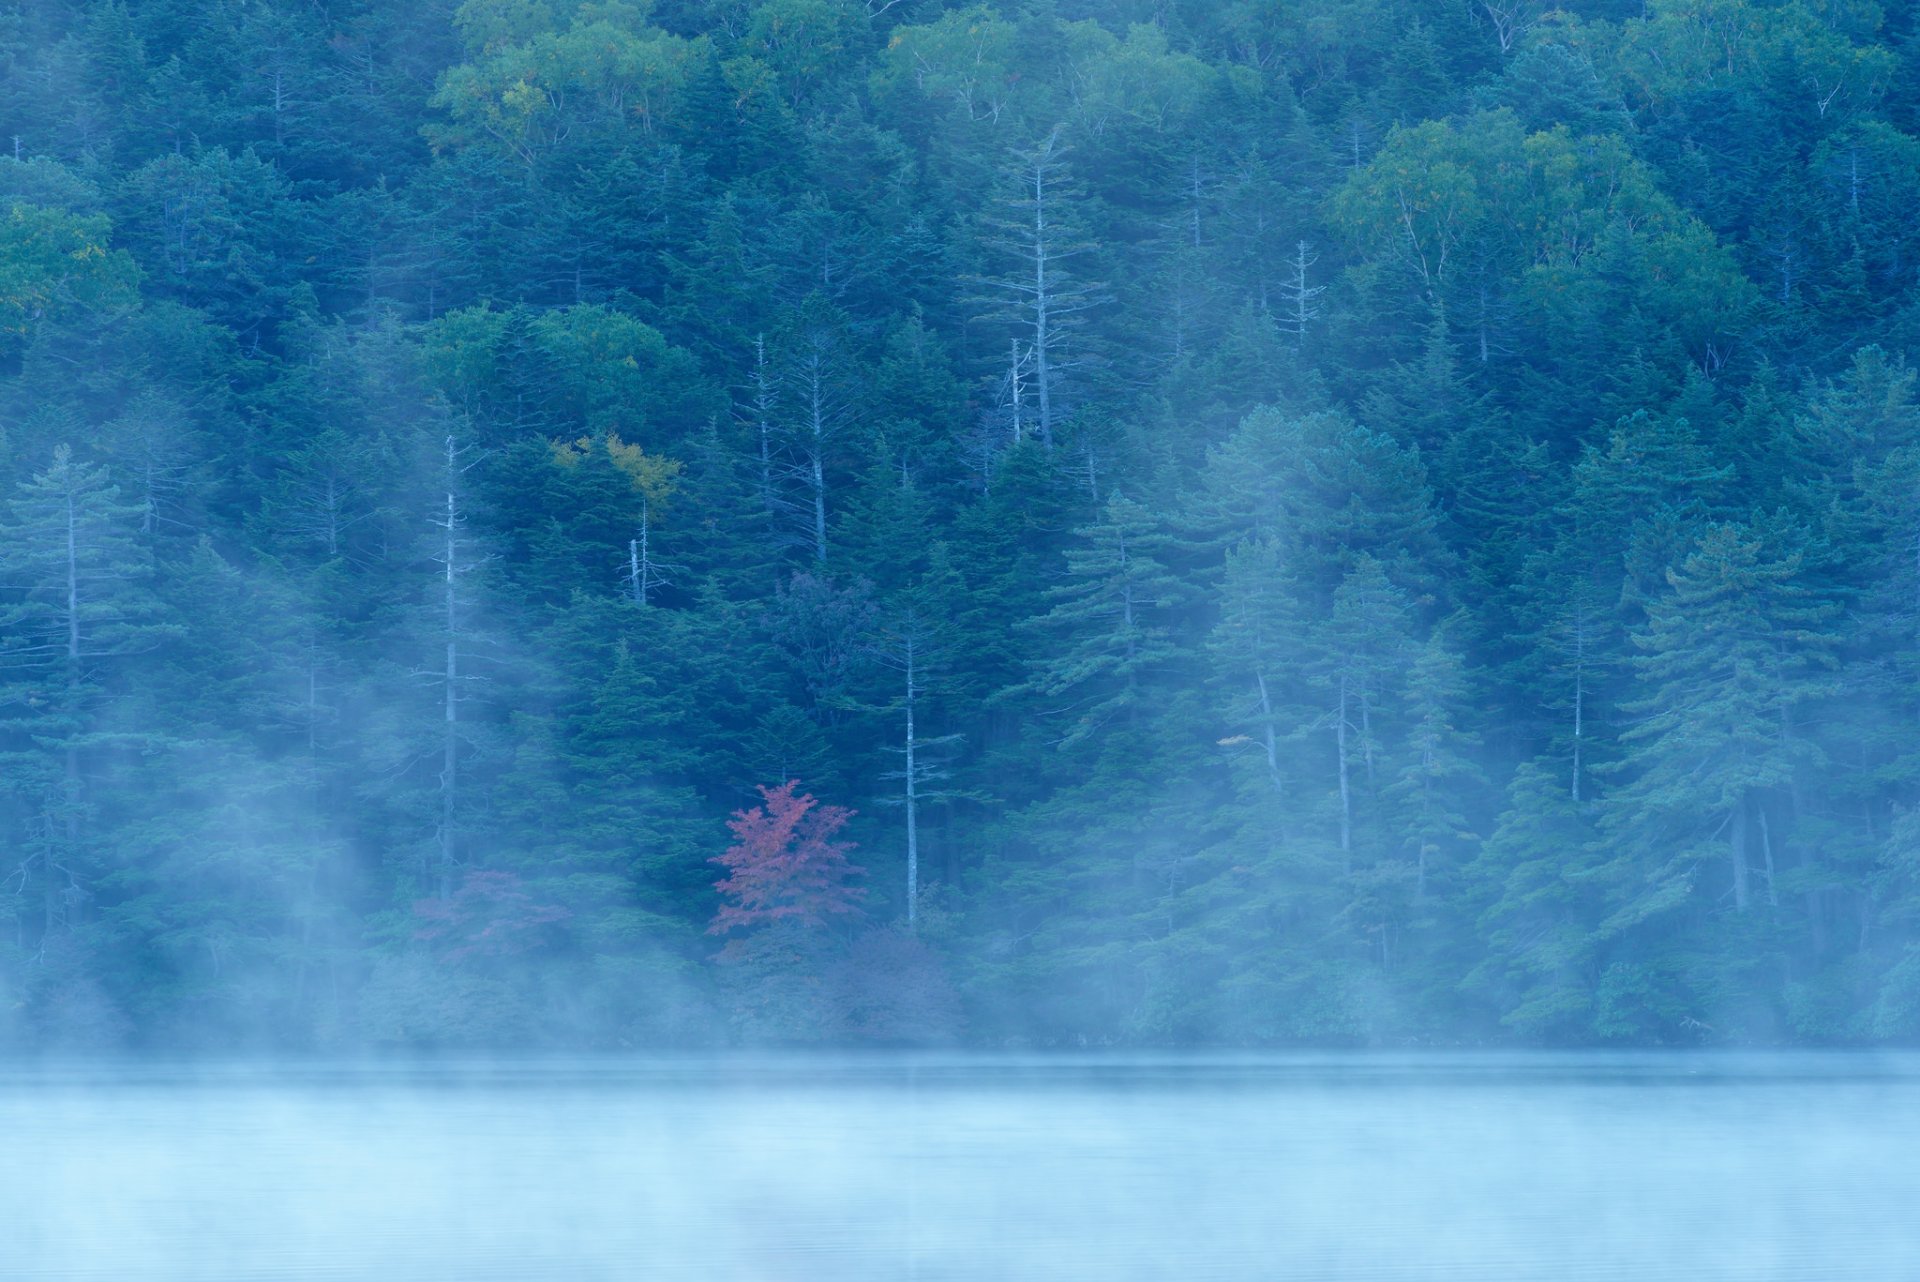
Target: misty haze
[
  {"x": 1148, "y": 1167},
  {"x": 907, "y": 638}
]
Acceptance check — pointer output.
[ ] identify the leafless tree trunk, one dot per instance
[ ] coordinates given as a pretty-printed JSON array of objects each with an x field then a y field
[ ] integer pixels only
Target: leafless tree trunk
[
  {"x": 913, "y": 792},
  {"x": 1041, "y": 295},
  {"x": 456, "y": 562},
  {"x": 1346, "y": 790},
  {"x": 1737, "y": 852},
  {"x": 1298, "y": 295},
  {"x": 73, "y": 673}
]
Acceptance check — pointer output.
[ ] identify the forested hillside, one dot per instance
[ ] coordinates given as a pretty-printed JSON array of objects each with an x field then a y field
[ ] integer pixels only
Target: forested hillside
[{"x": 1336, "y": 521}]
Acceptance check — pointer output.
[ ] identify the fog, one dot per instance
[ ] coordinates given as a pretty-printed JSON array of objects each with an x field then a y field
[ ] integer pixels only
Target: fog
[
  {"x": 769, "y": 640},
  {"x": 1481, "y": 1167}
]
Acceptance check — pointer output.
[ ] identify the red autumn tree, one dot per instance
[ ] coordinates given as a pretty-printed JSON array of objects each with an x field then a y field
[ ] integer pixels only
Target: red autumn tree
[{"x": 785, "y": 864}]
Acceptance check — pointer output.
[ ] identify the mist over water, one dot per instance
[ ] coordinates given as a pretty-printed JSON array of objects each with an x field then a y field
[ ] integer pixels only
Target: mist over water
[
  {"x": 927, "y": 533},
  {"x": 1485, "y": 1167}
]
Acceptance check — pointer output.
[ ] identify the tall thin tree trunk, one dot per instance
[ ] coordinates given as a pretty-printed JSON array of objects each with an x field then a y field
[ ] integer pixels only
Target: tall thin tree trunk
[
  {"x": 450, "y": 754},
  {"x": 817, "y": 456},
  {"x": 1426, "y": 809},
  {"x": 818, "y": 479},
  {"x": 1016, "y": 390},
  {"x": 913, "y": 800},
  {"x": 763, "y": 420},
  {"x": 302, "y": 970},
  {"x": 639, "y": 559},
  {"x": 1366, "y": 736},
  {"x": 1042, "y": 338},
  {"x": 1267, "y": 738},
  {"x": 1737, "y": 852},
  {"x": 1346, "y": 791},
  {"x": 71, "y": 790},
  {"x": 1579, "y": 715},
  {"x": 1766, "y": 847}
]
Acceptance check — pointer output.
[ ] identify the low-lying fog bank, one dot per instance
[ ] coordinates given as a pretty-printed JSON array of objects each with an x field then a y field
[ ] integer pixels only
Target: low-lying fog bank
[{"x": 735, "y": 1169}]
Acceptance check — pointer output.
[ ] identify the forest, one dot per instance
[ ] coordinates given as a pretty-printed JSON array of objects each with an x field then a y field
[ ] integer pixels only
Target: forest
[{"x": 1034, "y": 523}]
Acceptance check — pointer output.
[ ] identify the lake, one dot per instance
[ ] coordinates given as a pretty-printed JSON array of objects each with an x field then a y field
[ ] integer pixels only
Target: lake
[{"x": 1480, "y": 1168}]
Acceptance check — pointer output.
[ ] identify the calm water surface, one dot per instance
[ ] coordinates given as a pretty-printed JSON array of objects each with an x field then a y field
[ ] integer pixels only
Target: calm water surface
[{"x": 1480, "y": 1169}]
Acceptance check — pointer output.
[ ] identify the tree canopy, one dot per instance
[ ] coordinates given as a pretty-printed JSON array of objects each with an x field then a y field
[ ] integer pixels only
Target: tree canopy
[{"x": 1350, "y": 521}]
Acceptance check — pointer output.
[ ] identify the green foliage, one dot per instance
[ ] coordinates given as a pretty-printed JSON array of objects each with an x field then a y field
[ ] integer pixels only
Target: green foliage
[
  {"x": 536, "y": 89},
  {"x": 1376, "y": 522},
  {"x": 58, "y": 267}
]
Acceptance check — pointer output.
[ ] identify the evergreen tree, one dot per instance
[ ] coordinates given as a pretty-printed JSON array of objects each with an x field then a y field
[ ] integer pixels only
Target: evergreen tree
[
  {"x": 1108, "y": 617},
  {"x": 81, "y": 604},
  {"x": 1728, "y": 660}
]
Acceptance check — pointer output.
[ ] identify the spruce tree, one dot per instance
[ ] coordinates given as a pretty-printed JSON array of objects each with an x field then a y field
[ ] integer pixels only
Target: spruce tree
[
  {"x": 79, "y": 604},
  {"x": 1727, "y": 660}
]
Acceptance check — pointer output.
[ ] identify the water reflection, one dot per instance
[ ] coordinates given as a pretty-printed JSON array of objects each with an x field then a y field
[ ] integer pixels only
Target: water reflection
[{"x": 1161, "y": 1167}]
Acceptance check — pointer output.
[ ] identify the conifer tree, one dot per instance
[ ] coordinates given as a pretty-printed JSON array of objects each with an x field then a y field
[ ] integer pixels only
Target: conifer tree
[
  {"x": 1110, "y": 618},
  {"x": 1432, "y": 788},
  {"x": 1540, "y": 889},
  {"x": 1728, "y": 659},
  {"x": 1260, "y": 647},
  {"x": 1358, "y": 654},
  {"x": 1044, "y": 290},
  {"x": 79, "y": 600}
]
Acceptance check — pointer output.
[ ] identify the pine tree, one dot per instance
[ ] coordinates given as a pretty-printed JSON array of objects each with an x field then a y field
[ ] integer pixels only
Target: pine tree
[
  {"x": 79, "y": 600},
  {"x": 1432, "y": 789},
  {"x": 1043, "y": 292},
  {"x": 818, "y": 411},
  {"x": 1110, "y": 618},
  {"x": 1358, "y": 655},
  {"x": 1539, "y": 887},
  {"x": 1728, "y": 659},
  {"x": 1259, "y": 647}
]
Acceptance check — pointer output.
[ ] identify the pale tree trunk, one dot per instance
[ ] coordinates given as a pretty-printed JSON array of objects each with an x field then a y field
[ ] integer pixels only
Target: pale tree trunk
[
  {"x": 1267, "y": 739},
  {"x": 1581, "y": 627},
  {"x": 1346, "y": 790},
  {"x": 303, "y": 969},
  {"x": 1039, "y": 295},
  {"x": 817, "y": 478},
  {"x": 1299, "y": 294},
  {"x": 913, "y": 796},
  {"x": 1196, "y": 190},
  {"x": 333, "y": 516},
  {"x": 1426, "y": 809},
  {"x": 451, "y": 521},
  {"x": 819, "y": 429},
  {"x": 1366, "y": 734},
  {"x": 1766, "y": 849},
  {"x": 1579, "y": 729},
  {"x": 1042, "y": 298},
  {"x": 1511, "y": 20},
  {"x": 450, "y": 753},
  {"x": 71, "y": 789},
  {"x": 1016, "y": 390},
  {"x": 763, "y": 419},
  {"x": 1737, "y": 852},
  {"x": 643, "y": 575}
]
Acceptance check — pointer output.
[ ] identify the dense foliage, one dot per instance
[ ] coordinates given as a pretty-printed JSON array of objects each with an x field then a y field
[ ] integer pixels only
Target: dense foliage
[{"x": 1371, "y": 521}]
